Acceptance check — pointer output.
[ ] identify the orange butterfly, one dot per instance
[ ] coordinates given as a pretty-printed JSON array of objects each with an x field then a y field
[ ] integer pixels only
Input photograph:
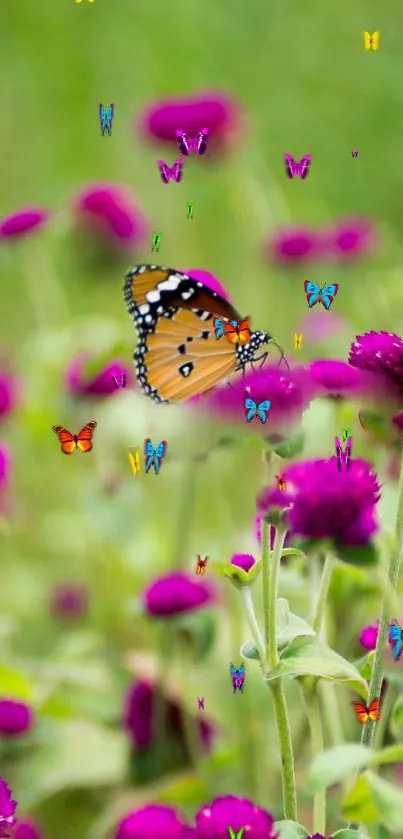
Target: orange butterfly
[
  {"x": 281, "y": 482},
  {"x": 177, "y": 354},
  {"x": 201, "y": 565},
  {"x": 236, "y": 332},
  {"x": 70, "y": 442},
  {"x": 364, "y": 713}
]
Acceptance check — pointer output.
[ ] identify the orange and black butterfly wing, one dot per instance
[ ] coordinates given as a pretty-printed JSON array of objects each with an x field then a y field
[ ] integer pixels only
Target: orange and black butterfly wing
[
  {"x": 373, "y": 710},
  {"x": 177, "y": 355},
  {"x": 199, "y": 564},
  {"x": 67, "y": 440},
  {"x": 84, "y": 437},
  {"x": 361, "y": 712},
  {"x": 243, "y": 330}
]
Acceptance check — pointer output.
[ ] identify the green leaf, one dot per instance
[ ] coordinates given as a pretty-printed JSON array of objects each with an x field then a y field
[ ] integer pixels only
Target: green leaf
[
  {"x": 79, "y": 755},
  {"x": 254, "y": 572},
  {"x": 292, "y": 447},
  {"x": 374, "y": 800},
  {"x": 364, "y": 664},
  {"x": 346, "y": 833},
  {"x": 15, "y": 684},
  {"x": 296, "y": 627},
  {"x": 307, "y": 656},
  {"x": 353, "y": 555},
  {"x": 390, "y": 754},
  {"x": 396, "y": 720},
  {"x": 377, "y": 425},
  {"x": 335, "y": 765},
  {"x": 196, "y": 630},
  {"x": 248, "y": 650},
  {"x": 292, "y": 552},
  {"x": 288, "y": 829}
]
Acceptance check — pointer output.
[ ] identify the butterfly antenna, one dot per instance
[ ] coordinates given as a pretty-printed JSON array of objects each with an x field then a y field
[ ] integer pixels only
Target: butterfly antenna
[{"x": 282, "y": 353}]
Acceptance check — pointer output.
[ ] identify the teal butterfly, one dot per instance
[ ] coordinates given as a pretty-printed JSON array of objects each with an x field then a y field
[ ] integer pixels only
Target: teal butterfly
[{"x": 396, "y": 639}]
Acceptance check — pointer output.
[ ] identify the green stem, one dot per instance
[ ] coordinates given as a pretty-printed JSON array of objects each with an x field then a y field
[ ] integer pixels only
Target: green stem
[
  {"x": 388, "y": 701},
  {"x": 247, "y": 602},
  {"x": 320, "y": 609},
  {"x": 315, "y": 724},
  {"x": 271, "y": 567}
]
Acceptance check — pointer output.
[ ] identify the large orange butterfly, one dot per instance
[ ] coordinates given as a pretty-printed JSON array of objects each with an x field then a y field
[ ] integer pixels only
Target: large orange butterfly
[
  {"x": 70, "y": 442},
  {"x": 365, "y": 713},
  {"x": 177, "y": 355}
]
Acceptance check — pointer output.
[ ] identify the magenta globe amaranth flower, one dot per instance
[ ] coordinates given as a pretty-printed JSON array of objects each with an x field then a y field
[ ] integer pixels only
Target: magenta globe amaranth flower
[
  {"x": 380, "y": 352},
  {"x": 5, "y": 466},
  {"x": 338, "y": 379},
  {"x": 329, "y": 504},
  {"x": 176, "y": 593},
  {"x": 22, "y": 222},
  {"x": 350, "y": 238},
  {"x": 369, "y": 636},
  {"x": 213, "y": 820},
  {"x": 244, "y": 561},
  {"x": 7, "y": 809},
  {"x": 8, "y": 393},
  {"x": 152, "y": 822},
  {"x": 16, "y": 718},
  {"x": 294, "y": 245},
  {"x": 110, "y": 211},
  {"x": 102, "y": 383},
  {"x": 208, "y": 280},
  {"x": 27, "y": 829}
]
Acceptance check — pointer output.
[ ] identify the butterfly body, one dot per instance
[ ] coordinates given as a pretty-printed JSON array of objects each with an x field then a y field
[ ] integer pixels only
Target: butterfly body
[
  {"x": 238, "y": 677},
  {"x": 71, "y": 442},
  {"x": 120, "y": 381},
  {"x": 200, "y": 703},
  {"x": 134, "y": 460},
  {"x": 177, "y": 355},
  {"x": 106, "y": 118},
  {"x": 343, "y": 457},
  {"x": 171, "y": 173},
  {"x": 297, "y": 167},
  {"x": 324, "y": 295},
  {"x": 154, "y": 456},
  {"x": 235, "y": 332},
  {"x": 371, "y": 41},
  {"x": 298, "y": 338},
  {"x": 281, "y": 482},
  {"x": 395, "y": 637},
  {"x": 260, "y": 411},
  {"x": 187, "y": 144},
  {"x": 365, "y": 713},
  {"x": 201, "y": 565},
  {"x": 354, "y": 153}
]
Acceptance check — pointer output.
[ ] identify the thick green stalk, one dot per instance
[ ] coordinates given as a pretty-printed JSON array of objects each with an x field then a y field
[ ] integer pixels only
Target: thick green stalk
[
  {"x": 320, "y": 609},
  {"x": 271, "y": 567},
  {"x": 247, "y": 602},
  {"x": 315, "y": 724}
]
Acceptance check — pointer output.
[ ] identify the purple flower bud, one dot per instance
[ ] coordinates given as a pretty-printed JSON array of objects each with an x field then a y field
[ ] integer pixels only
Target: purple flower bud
[
  {"x": 15, "y": 718},
  {"x": 152, "y": 822},
  {"x": 294, "y": 245},
  {"x": 369, "y": 636},
  {"x": 109, "y": 210},
  {"x": 22, "y": 222},
  {"x": 244, "y": 561},
  {"x": 69, "y": 600},
  {"x": 214, "y": 819},
  {"x": 176, "y": 593},
  {"x": 98, "y": 384}
]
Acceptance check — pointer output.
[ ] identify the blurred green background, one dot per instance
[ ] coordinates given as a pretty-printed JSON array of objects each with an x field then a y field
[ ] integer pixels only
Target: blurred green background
[{"x": 304, "y": 85}]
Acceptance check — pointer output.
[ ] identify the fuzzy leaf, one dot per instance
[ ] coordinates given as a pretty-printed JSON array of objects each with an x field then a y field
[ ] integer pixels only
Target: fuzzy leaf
[
  {"x": 292, "y": 447},
  {"x": 248, "y": 650},
  {"x": 288, "y": 829},
  {"x": 292, "y": 552},
  {"x": 373, "y": 800},
  {"x": 354, "y": 555},
  {"x": 335, "y": 765},
  {"x": 377, "y": 425},
  {"x": 346, "y": 833},
  {"x": 307, "y": 656}
]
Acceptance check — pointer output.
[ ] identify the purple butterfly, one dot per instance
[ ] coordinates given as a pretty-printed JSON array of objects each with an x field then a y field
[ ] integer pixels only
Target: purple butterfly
[
  {"x": 7, "y": 810},
  {"x": 186, "y": 144},
  {"x": 168, "y": 173},
  {"x": 293, "y": 167},
  {"x": 238, "y": 677},
  {"x": 201, "y": 704},
  {"x": 343, "y": 457}
]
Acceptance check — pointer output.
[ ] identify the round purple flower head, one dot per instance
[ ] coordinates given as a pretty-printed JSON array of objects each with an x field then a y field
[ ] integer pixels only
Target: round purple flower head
[
  {"x": 22, "y": 222},
  {"x": 288, "y": 390},
  {"x": 140, "y": 717},
  {"x": 369, "y": 636},
  {"x": 69, "y": 600},
  {"x": 294, "y": 245},
  {"x": 15, "y": 718},
  {"x": 350, "y": 238},
  {"x": 109, "y": 210},
  {"x": 338, "y": 379},
  {"x": 244, "y": 561},
  {"x": 208, "y": 280},
  {"x": 7, "y": 809},
  {"x": 101, "y": 383},
  {"x": 27, "y": 830},
  {"x": 333, "y": 504},
  {"x": 175, "y": 594},
  {"x": 380, "y": 352},
  {"x": 152, "y": 822},
  {"x": 213, "y": 820}
]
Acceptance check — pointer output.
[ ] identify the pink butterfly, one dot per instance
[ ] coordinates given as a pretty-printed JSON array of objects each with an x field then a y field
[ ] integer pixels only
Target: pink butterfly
[
  {"x": 186, "y": 144},
  {"x": 168, "y": 173},
  {"x": 295, "y": 167}
]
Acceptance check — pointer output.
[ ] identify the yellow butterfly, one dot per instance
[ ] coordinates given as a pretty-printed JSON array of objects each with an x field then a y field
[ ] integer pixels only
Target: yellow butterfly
[
  {"x": 298, "y": 338},
  {"x": 134, "y": 461},
  {"x": 371, "y": 41}
]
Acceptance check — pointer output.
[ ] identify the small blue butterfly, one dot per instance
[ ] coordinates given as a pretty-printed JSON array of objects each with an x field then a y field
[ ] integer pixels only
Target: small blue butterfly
[
  {"x": 259, "y": 411},
  {"x": 324, "y": 295},
  {"x": 396, "y": 639},
  {"x": 219, "y": 327},
  {"x": 106, "y": 118},
  {"x": 154, "y": 456}
]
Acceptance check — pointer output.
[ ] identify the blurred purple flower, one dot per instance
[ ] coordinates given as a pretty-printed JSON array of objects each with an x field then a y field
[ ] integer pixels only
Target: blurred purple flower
[
  {"x": 5, "y": 466},
  {"x": 398, "y": 420},
  {"x": 333, "y": 504},
  {"x": 369, "y": 636},
  {"x": 22, "y": 222},
  {"x": 338, "y": 379},
  {"x": 176, "y": 593},
  {"x": 272, "y": 532},
  {"x": 27, "y": 829},
  {"x": 272, "y": 497},
  {"x": 7, "y": 809},
  {"x": 350, "y": 237},
  {"x": 152, "y": 822},
  {"x": 140, "y": 717},
  {"x": 317, "y": 326},
  {"x": 100, "y": 383},
  {"x": 213, "y": 820},
  {"x": 215, "y": 111},
  {"x": 8, "y": 393},
  {"x": 209, "y": 280},
  {"x": 69, "y": 600},
  {"x": 380, "y": 352},
  {"x": 319, "y": 836},
  {"x": 289, "y": 391},
  {"x": 244, "y": 561},
  {"x": 16, "y": 718},
  {"x": 109, "y": 210},
  {"x": 293, "y": 245}
]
